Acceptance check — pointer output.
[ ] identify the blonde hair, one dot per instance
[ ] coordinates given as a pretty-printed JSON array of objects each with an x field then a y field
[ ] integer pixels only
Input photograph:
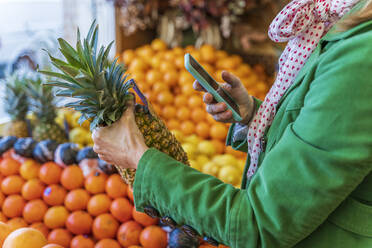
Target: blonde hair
[{"x": 362, "y": 15}]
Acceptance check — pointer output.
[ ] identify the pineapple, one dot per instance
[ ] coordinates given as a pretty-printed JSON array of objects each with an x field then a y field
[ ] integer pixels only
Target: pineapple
[
  {"x": 42, "y": 104},
  {"x": 16, "y": 105},
  {"x": 102, "y": 92}
]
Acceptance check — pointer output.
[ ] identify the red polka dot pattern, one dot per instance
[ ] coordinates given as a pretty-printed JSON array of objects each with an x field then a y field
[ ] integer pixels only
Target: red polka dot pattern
[{"x": 302, "y": 23}]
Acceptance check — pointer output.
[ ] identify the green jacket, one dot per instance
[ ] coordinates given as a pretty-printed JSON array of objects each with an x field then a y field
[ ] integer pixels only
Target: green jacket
[{"x": 313, "y": 188}]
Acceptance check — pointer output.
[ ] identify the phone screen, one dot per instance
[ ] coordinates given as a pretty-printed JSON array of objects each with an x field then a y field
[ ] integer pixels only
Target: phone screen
[{"x": 213, "y": 83}]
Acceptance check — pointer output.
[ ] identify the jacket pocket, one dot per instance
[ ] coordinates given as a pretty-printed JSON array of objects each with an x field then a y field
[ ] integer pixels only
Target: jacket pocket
[{"x": 353, "y": 216}]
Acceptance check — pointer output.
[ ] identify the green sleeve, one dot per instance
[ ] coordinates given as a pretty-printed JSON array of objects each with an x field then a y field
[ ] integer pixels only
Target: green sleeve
[
  {"x": 320, "y": 158},
  {"x": 240, "y": 145}
]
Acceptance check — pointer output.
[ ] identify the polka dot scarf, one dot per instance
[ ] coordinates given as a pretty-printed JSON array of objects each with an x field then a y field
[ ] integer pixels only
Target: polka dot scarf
[{"x": 302, "y": 23}]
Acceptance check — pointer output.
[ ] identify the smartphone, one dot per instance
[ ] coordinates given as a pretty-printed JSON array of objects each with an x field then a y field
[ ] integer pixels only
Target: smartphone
[{"x": 211, "y": 85}]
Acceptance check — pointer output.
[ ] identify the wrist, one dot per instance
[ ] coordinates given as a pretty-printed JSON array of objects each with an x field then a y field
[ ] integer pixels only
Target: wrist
[
  {"x": 139, "y": 153},
  {"x": 250, "y": 110}
]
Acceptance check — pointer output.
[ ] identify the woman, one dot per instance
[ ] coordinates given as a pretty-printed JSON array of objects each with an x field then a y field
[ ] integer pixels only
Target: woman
[{"x": 308, "y": 179}]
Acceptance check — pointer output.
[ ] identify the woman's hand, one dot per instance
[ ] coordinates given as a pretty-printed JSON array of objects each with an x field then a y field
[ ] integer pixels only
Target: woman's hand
[
  {"x": 122, "y": 143},
  {"x": 219, "y": 111}
]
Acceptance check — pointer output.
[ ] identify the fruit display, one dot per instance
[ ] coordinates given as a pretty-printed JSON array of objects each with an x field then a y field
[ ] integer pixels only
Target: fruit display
[
  {"x": 53, "y": 205},
  {"x": 161, "y": 75},
  {"x": 102, "y": 94},
  {"x": 16, "y": 106}
]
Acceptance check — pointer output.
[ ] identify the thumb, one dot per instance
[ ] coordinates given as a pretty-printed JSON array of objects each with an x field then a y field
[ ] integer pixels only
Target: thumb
[
  {"x": 129, "y": 111},
  {"x": 231, "y": 79}
]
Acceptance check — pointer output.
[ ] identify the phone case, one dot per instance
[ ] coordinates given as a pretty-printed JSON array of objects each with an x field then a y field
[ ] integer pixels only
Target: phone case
[{"x": 209, "y": 88}]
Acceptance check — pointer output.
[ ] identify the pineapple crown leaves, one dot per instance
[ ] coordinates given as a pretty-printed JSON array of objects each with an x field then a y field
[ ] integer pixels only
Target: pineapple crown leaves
[
  {"x": 15, "y": 97},
  {"x": 42, "y": 100},
  {"x": 99, "y": 85}
]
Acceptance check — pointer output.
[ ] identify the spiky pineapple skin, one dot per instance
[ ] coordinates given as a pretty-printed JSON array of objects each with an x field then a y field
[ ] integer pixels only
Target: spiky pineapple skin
[
  {"x": 53, "y": 131},
  {"x": 16, "y": 128},
  {"x": 156, "y": 135}
]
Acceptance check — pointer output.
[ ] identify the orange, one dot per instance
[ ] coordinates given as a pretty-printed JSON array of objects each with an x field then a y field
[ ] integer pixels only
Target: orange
[
  {"x": 195, "y": 101},
  {"x": 3, "y": 218},
  {"x": 189, "y": 48},
  {"x": 81, "y": 241},
  {"x": 210, "y": 119},
  {"x": 77, "y": 199},
  {"x": 104, "y": 243},
  {"x": 79, "y": 222},
  {"x": 228, "y": 63},
  {"x": 153, "y": 76},
  {"x": 218, "y": 131},
  {"x": 50, "y": 173},
  {"x": 179, "y": 62},
  {"x": 130, "y": 193},
  {"x": 34, "y": 211},
  {"x": 159, "y": 87},
  {"x": 138, "y": 64},
  {"x": 153, "y": 237},
  {"x": 219, "y": 145},
  {"x": 188, "y": 90},
  {"x": 5, "y": 230},
  {"x": 115, "y": 187},
  {"x": 60, "y": 237},
  {"x": 171, "y": 77},
  {"x": 169, "y": 56},
  {"x": 134, "y": 246},
  {"x": 25, "y": 237},
  {"x": 105, "y": 226},
  {"x": 178, "y": 50},
  {"x": 169, "y": 112},
  {"x": 72, "y": 177},
  {"x": 183, "y": 113},
  {"x": 56, "y": 217},
  {"x": 197, "y": 56},
  {"x": 52, "y": 246},
  {"x": 185, "y": 78},
  {"x": 129, "y": 233},
  {"x": 16, "y": 223},
  {"x": 198, "y": 114},
  {"x": 221, "y": 54},
  {"x": 99, "y": 204},
  {"x": 128, "y": 56},
  {"x": 208, "y": 53},
  {"x": 12, "y": 185},
  {"x": 243, "y": 71},
  {"x": 156, "y": 61},
  {"x": 180, "y": 101},
  {"x": 54, "y": 195},
  {"x": 143, "y": 218},
  {"x": 2, "y": 198},
  {"x": 121, "y": 209},
  {"x": 202, "y": 130},
  {"x": 173, "y": 124},
  {"x": 239, "y": 154},
  {"x": 139, "y": 77},
  {"x": 187, "y": 127},
  {"x": 29, "y": 169},
  {"x": 261, "y": 87},
  {"x": 238, "y": 60},
  {"x": 165, "y": 98},
  {"x": 9, "y": 166},
  {"x": 145, "y": 51},
  {"x": 95, "y": 183},
  {"x": 33, "y": 189},
  {"x": 41, "y": 227},
  {"x": 13, "y": 206},
  {"x": 166, "y": 66}
]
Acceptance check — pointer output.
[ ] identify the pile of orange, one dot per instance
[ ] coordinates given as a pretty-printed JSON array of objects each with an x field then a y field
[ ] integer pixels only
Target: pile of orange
[
  {"x": 161, "y": 75},
  {"x": 73, "y": 211}
]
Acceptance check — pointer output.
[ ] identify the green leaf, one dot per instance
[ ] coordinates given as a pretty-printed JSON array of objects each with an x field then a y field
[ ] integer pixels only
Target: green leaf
[
  {"x": 69, "y": 52},
  {"x": 61, "y": 84}
]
